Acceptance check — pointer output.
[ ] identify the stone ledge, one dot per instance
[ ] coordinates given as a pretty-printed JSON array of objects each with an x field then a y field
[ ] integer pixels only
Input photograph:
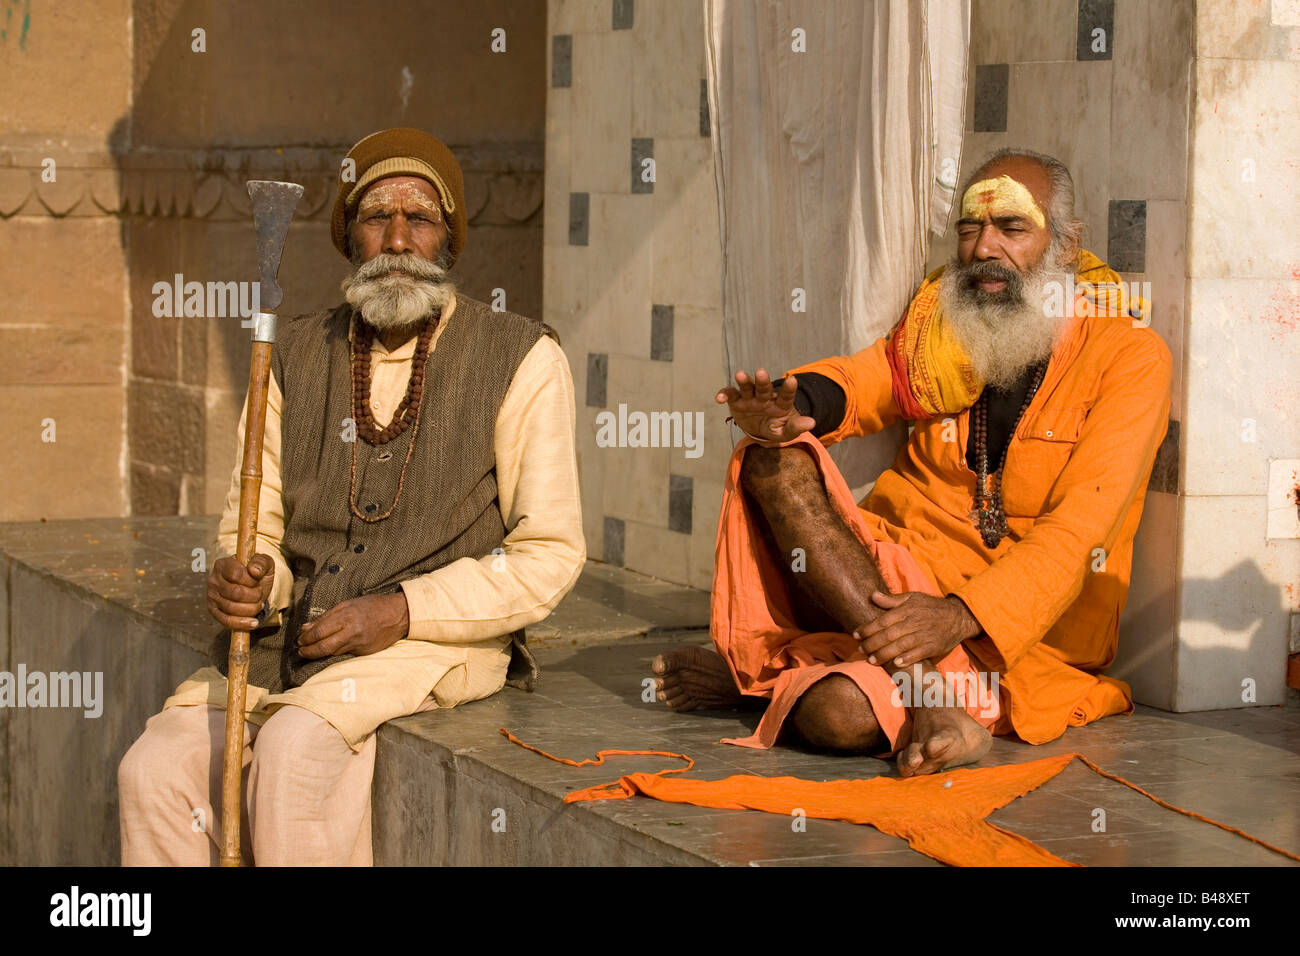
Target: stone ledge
[{"x": 74, "y": 598}]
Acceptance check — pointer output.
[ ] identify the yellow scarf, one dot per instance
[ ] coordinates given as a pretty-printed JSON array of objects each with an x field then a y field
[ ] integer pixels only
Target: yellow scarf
[{"x": 932, "y": 374}]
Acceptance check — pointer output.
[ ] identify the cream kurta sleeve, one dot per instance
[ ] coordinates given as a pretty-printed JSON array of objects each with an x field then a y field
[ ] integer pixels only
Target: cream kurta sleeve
[{"x": 537, "y": 488}]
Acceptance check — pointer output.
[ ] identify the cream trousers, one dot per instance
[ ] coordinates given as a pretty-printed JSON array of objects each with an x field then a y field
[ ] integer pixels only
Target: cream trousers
[{"x": 306, "y": 792}]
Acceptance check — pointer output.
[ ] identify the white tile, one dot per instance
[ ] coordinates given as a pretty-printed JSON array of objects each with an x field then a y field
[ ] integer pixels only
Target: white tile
[
  {"x": 1284, "y": 498},
  {"x": 636, "y": 479},
  {"x": 1063, "y": 109},
  {"x": 657, "y": 551},
  {"x": 1166, "y": 262},
  {"x": 559, "y": 137},
  {"x": 579, "y": 16},
  {"x": 1148, "y": 637},
  {"x": 1236, "y": 592},
  {"x": 591, "y": 471},
  {"x": 1233, "y": 29},
  {"x": 688, "y": 248},
  {"x": 602, "y": 112},
  {"x": 619, "y": 266},
  {"x": 564, "y": 288},
  {"x": 1244, "y": 199},
  {"x": 669, "y": 67},
  {"x": 706, "y": 506},
  {"x": 1153, "y": 52},
  {"x": 1242, "y": 352},
  {"x": 1016, "y": 31},
  {"x": 698, "y": 371}
]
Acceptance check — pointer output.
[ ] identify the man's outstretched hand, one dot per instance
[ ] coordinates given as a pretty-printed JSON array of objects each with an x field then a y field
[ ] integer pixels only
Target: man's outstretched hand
[
  {"x": 361, "y": 625},
  {"x": 915, "y": 627},
  {"x": 762, "y": 411}
]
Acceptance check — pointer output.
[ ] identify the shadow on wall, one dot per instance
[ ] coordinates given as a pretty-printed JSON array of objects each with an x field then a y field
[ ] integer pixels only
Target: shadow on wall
[{"x": 1238, "y": 602}]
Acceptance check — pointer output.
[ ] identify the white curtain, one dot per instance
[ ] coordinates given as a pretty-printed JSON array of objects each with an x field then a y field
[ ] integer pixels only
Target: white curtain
[{"x": 833, "y": 164}]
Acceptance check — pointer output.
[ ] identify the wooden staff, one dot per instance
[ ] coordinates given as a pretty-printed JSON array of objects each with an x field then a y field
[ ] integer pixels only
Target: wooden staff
[{"x": 273, "y": 206}]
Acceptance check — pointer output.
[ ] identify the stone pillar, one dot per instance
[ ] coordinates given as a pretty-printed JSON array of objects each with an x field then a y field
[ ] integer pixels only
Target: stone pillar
[{"x": 1238, "y": 548}]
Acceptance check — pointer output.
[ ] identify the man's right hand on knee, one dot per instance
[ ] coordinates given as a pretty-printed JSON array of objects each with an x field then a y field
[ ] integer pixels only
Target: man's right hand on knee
[{"x": 237, "y": 594}]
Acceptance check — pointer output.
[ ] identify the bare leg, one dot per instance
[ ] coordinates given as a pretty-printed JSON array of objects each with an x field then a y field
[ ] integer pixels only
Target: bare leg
[{"x": 788, "y": 490}]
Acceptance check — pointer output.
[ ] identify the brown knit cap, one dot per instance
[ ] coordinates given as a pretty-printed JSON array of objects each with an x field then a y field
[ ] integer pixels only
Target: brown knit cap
[{"x": 402, "y": 151}]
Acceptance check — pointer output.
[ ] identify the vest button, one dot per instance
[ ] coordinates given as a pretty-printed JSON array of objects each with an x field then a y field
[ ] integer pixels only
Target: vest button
[
  {"x": 372, "y": 507},
  {"x": 334, "y": 569},
  {"x": 359, "y": 548}
]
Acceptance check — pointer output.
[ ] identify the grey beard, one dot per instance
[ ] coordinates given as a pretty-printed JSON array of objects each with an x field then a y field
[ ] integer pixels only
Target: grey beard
[
  {"x": 395, "y": 302},
  {"x": 1003, "y": 333}
]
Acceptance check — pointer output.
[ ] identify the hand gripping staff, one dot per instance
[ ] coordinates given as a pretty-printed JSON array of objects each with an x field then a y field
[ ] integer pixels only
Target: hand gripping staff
[{"x": 273, "y": 206}]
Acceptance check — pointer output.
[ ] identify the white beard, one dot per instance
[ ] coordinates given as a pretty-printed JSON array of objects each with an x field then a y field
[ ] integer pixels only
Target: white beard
[
  {"x": 397, "y": 301},
  {"x": 1003, "y": 338}
]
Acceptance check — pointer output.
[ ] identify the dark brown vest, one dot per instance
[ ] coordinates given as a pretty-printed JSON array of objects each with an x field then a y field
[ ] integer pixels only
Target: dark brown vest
[{"x": 448, "y": 507}]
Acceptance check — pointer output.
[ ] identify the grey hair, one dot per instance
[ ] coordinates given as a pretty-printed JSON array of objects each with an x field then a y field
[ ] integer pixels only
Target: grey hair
[{"x": 1061, "y": 221}]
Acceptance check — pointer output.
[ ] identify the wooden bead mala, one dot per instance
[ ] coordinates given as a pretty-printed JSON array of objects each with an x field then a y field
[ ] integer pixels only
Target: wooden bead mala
[
  {"x": 988, "y": 514},
  {"x": 406, "y": 415}
]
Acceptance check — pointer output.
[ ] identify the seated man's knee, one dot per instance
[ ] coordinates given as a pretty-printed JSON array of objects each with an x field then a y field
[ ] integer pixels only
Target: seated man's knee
[
  {"x": 169, "y": 748},
  {"x": 834, "y": 714},
  {"x": 293, "y": 732}
]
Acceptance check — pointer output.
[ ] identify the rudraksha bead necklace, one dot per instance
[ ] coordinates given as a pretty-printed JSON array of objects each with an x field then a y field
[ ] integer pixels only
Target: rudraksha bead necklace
[
  {"x": 988, "y": 513},
  {"x": 406, "y": 416}
]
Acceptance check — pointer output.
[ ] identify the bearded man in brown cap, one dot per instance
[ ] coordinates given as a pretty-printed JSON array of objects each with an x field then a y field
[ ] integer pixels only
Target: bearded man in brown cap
[{"x": 419, "y": 508}]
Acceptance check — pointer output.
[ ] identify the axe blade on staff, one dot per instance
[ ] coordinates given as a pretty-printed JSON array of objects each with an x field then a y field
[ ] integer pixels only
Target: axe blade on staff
[{"x": 273, "y": 206}]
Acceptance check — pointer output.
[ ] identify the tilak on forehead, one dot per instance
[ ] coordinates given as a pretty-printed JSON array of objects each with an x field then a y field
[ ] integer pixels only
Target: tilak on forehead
[
  {"x": 1000, "y": 197},
  {"x": 405, "y": 195}
]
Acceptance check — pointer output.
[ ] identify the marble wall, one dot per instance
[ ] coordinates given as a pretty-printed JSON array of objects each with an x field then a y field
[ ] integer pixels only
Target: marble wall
[
  {"x": 1239, "y": 553},
  {"x": 632, "y": 275},
  {"x": 1170, "y": 116}
]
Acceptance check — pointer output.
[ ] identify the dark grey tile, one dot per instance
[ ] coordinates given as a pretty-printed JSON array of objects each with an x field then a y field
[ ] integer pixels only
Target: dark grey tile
[
  {"x": 661, "y": 333},
  {"x": 562, "y": 60},
  {"x": 579, "y": 218},
  {"x": 643, "y": 167},
  {"x": 597, "y": 375},
  {"x": 623, "y": 14},
  {"x": 991, "y": 87},
  {"x": 614, "y": 540},
  {"x": 1127, "y": 232},
  {"x": 680, "y": 495},
  {"x": 1164, "y": 472},
  {"x": 705, "y": 126},
  {"x": 1096, "y": 30}
]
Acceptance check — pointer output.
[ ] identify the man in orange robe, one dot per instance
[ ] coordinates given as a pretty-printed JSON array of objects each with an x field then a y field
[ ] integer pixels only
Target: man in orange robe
[{"x": 1004, "y": 599}]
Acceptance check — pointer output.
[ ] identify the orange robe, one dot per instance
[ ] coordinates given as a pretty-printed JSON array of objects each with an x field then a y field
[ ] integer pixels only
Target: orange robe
[{"x": 1048, "y": 598}]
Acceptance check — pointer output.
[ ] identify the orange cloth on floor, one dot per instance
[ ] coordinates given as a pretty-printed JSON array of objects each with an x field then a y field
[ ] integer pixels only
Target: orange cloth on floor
[
  {"x": 1049, "y": 596},
  {"x": 941, "y": 815},
  {"x": 754, "y": 630}
]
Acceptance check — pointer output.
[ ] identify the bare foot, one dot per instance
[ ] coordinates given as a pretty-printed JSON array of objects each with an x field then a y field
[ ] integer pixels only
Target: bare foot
[
  {"x": 942, "y": 738},
  {"x": 694, "y": 677}
]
